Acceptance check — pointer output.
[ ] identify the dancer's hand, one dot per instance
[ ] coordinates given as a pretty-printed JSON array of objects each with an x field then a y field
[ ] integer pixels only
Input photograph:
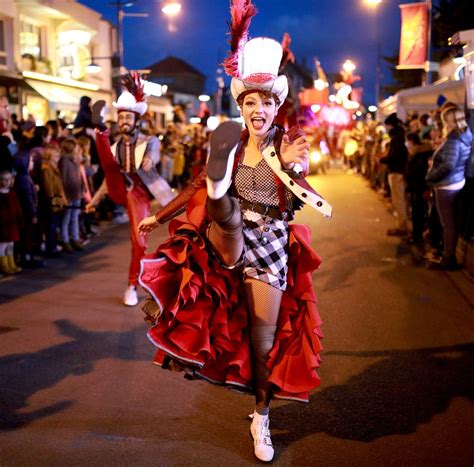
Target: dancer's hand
[
  {"x": 147, "y": 225},
  {"x": 294, "y": 152}
]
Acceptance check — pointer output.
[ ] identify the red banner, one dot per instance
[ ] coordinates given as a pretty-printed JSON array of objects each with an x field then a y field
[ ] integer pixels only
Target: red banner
[{"x": 414, "y": 35}]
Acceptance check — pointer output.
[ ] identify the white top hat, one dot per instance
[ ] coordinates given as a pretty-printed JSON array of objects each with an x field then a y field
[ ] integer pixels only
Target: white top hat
[
  {"x": 133, "y": 99},
  {"x": 258, "y": 65},
  {"x": 126, "y": 101}
]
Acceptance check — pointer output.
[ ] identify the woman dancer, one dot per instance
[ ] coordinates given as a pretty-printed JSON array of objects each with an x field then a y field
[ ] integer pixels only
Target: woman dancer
[{"x": 233, "y": 283}]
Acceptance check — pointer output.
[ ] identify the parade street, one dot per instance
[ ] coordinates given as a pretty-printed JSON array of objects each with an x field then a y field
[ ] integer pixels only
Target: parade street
[{"x": 78, "y": 387}]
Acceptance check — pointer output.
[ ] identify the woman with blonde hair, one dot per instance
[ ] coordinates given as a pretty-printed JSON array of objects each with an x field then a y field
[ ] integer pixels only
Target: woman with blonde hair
[{"x": 447, "y": 176}]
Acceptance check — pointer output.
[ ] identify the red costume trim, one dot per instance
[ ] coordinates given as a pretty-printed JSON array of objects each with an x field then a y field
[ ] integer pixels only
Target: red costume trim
[{"x": 205, "y": 324}]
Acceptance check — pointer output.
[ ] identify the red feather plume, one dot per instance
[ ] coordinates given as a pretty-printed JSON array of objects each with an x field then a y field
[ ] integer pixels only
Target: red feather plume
[
  {"x": 242, "y": 12},
  {"x": 287, "y": 53},
  {"x": 134, "y": 85}
]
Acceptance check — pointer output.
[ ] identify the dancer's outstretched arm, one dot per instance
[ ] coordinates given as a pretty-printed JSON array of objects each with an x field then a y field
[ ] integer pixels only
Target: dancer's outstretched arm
[{"x": 174, "y": 207}]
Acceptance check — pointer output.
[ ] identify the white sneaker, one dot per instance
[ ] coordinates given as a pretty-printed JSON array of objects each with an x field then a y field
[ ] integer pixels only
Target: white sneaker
[
  {"x": 130, "y": 297},
  {"x": 262, "y": 441}
]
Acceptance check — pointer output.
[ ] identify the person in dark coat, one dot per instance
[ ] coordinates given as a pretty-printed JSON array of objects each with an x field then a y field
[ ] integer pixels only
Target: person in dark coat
[
  {"x": 396, "y": 161},
  {"x": 6, "y": 138},
  {"x": 417, "y": 167},
  {"x": 27, "y": 193},
  {"x": 84, "y": 116}
]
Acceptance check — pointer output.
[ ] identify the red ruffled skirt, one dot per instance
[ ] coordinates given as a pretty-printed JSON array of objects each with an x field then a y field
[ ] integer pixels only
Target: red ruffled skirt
[{"x": 204, "y": 322}]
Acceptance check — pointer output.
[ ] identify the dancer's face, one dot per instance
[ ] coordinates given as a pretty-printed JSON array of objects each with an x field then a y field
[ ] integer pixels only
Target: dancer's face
[
  {"x": 258, "y": 113},
  {"x": 126, "y": 121}
]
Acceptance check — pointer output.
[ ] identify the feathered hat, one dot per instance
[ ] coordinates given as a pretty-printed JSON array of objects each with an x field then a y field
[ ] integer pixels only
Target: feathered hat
[
  {"x": 133, "y": 99},
  {"x": 252, "y": 64}
]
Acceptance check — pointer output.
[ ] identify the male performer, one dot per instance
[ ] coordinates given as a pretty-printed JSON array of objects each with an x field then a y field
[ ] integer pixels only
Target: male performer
[{"x": 131, "y": 178}]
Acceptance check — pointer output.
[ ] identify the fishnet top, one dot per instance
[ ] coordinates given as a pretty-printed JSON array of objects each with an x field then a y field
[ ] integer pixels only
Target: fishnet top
[{"x": 257, "y": 185}]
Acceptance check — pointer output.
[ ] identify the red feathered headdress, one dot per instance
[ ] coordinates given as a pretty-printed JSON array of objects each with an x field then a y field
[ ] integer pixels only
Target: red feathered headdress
[
  {"x": 242, "y": 12},
  {"x": 133, "y": 99},
  {"x": 287, "y": 53}
]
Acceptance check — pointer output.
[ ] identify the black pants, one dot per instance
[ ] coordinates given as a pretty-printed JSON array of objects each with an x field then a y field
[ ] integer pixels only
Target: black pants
[
  {"x": 466, "y": 209},
  {"x": 52, "y": 220},
  {"x": 418, "y": 210},
  {"x": 446, "y": 202}
]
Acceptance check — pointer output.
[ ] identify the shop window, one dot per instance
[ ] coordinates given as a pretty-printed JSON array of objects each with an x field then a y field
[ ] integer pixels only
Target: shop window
[
  {"x": 3, "y": 52},
  {"x": 73, "y": 53},
  {"x": 30, "y": 40}
]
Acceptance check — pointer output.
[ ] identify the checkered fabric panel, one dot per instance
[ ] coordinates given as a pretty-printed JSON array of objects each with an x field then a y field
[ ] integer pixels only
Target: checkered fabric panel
[
  {"x": 265, "y": 255},
  {"x": 257, "y": 185}
]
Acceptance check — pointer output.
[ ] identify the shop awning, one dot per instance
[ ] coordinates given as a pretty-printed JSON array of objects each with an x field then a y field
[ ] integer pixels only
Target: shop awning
[
  {"x": 424, "y": 98},
  {"x": 66, "y": 97}
]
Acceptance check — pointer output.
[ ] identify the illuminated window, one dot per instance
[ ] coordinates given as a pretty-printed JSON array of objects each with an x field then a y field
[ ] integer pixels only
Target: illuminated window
[
  {"x": 30, "y": 39},
  {"x": 73, "y": 53}
]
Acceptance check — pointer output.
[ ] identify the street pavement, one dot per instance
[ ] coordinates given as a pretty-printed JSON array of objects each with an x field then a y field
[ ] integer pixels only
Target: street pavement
[{"x": 77, "y": 386}]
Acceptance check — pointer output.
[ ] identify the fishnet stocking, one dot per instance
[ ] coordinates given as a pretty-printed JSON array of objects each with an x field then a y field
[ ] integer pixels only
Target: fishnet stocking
[{"x": 264, "y": 306}]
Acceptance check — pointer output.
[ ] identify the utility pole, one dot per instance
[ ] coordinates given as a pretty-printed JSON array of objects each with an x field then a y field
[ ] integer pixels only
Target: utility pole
[
  {"x": 428, "y": 77},
  {"x": 120, "y": 5},
  {"x": 119, "y": 68},
  {"x": 377, "y": 64}
]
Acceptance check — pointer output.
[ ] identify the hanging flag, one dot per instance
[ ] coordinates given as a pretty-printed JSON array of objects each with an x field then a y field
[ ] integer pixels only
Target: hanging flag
[{"x": 414, "y": 35}]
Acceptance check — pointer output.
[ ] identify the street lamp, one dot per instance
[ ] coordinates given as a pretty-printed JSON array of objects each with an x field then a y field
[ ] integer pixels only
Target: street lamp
[
  {"x": 171, "y": 8},
  {"x": 93, "y": 68},
  {"x": 320, "y": 84},
  {"x": 373, "y": 2},
  {"x": 348, "y": 66}
]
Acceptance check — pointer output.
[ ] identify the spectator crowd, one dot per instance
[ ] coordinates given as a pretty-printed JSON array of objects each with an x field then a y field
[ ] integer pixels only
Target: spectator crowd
[
  {"x": 49, "y": 175},
  {"x": 425, "y": 166}
]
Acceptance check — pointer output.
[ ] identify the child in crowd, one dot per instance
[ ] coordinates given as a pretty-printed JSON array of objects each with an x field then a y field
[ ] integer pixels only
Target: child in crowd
[
  {"x": 27, "y": 192},
  {"x": 74, "y": 189},
  {"x": 10, "y": 223},
  {"x": 84, "y": 162},
  {"x": 55, "y": 198}
]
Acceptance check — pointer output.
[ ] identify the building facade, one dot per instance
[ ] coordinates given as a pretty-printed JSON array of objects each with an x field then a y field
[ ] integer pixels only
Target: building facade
[
  {"x": 45, "y": 49},
  {"x": 184, "y": 83}
]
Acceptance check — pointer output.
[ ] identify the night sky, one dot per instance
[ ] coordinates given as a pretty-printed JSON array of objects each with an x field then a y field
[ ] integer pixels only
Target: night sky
[{"x": 332, "y": 30}]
